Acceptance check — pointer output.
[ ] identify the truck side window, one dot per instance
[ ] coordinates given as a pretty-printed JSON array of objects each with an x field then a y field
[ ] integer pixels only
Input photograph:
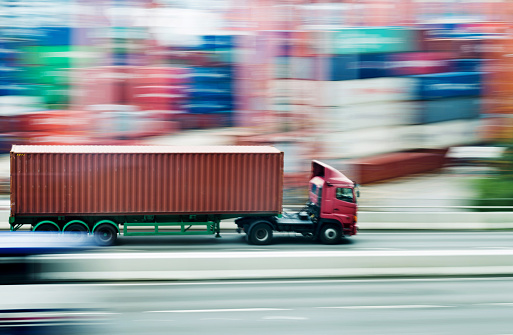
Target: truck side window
[{"x": 345, "y": 194}]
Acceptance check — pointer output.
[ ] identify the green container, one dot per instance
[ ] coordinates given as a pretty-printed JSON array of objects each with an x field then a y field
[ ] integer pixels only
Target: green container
[
  {"x": 54, "y": 76},
  {"x": 369, "y": 40},
  {"x": 61, "y": 56},
  {"x": 56, "y": 94}
]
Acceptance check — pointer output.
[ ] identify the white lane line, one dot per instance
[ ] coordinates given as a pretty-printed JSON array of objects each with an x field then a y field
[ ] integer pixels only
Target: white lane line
[
  {"x": 264, "y": 254},
  {"x": 387, "y": 307},
  {"x": 220, "y": 310},
  {"x": 284, "y": 318},
  {"x": 222, "y": 319},
  {"x": 495, "y": 304},
  {"x": 378, "y": 249},
  {"x": 299, "y": 281}
]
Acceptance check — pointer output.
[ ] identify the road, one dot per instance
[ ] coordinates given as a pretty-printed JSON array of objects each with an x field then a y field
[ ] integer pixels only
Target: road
[
  {"x": 394, "y": 240},
  {"x": 470, "y": 306}
]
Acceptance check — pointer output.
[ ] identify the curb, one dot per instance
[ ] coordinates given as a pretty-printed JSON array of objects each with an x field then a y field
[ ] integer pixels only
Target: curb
[{"x": 270, "y": 265}]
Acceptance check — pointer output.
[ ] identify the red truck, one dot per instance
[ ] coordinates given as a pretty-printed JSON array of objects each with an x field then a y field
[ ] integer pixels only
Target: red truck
[{"x": 104, "y": 191}]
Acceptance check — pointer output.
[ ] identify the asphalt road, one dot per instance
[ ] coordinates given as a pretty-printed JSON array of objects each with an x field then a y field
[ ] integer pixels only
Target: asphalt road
[
  {"x": 392, "y": 240},
  {"x": 452, "y": 306}
]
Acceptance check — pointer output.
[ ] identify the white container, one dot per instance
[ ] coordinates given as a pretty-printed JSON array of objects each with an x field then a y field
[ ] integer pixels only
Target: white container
[
  {"x": 293, "y": 91},
  {"x": 364, "y": 116},
  {"x": 347, "y": 92},
  {"x": 368, "y": 142},
  {"x": 446, "y": 134}
]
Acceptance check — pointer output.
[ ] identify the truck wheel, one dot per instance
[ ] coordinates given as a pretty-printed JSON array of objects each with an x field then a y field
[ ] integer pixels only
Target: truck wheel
[
  {"x": 46, "y": 227},
  {"x": 105, "y": 234},
  {"x": 260, "y": 234},
  {"x": 330, "y": 234},
  {"x": 77, "y": 230}
]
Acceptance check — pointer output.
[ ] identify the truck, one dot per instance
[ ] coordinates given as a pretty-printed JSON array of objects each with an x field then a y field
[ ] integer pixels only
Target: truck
[{"x": 106, "y": 191}]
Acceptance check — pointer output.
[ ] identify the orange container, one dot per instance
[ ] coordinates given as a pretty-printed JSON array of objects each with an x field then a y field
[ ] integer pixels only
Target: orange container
[{"x": 145, "y": 180}]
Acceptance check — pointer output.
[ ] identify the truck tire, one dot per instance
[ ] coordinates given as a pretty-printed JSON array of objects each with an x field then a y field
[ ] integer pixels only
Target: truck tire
[
  {"x": 77, "y": 230},
  {"x": 330, "y": 234},
  {"x": 260, "y": 233},
  {"x": 105, "y": 234},
  {"x": 46, "y": 227}
]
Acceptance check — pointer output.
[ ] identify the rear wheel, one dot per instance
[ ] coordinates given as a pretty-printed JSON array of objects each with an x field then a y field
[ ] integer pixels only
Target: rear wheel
[
  {"x": 260, "y": 234},
  {"x": 330, "y": 234},
  {"x": 105, "y": 234},
  {"x": 46, "y": 226},
  {"x": 77, "y": 230}
]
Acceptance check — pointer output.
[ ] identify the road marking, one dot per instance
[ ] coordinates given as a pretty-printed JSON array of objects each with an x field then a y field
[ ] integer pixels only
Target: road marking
[
  {"x": 495, "y": 304},
  {"x": 222, "y": 319},
  {"x": 386, "y": 307},
  {"x": 284, "y": 318},
  {"x": 378, "y": 249},
  {"x": 220, "y": 310},
  {"x": 299, "y": 281},
  {"x": 264, "y": 254}
]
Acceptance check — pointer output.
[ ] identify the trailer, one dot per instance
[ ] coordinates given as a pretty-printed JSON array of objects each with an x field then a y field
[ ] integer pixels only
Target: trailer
[{"x": 105, "y": 191}]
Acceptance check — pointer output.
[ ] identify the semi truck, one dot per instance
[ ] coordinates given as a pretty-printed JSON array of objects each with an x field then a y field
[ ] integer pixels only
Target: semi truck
[{"x": 105, "y": 191}]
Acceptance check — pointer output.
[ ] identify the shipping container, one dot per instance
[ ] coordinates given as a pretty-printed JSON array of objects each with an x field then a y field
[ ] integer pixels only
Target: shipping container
[
  {"x": 367, "y": 40},
  {"x": 367, "y": 115},
  {"x": 497, "y": 129},
  {"x": 145, "y": 180},
  {"x": 205, "y": 106},
  {"x": 366, "y": 142},
  {"x": 395, "y": 165},
  {"x": 294, "y": 68},
  {"x": 440, "y": 110},
  {"x": 415, "y": 63},
  {"x": 449, "y": 84},
  {"x": 468, "y": 65},
  {"x": 290, "y": 91},
  {"x": 218, "y": 42},
  {"x": 446, "y": 134},
  {"x": 341, "y": 93},
  {"x": 337, "y": 67},
  {"x": 371, "y": 66},
  {"x": 206, "y": 74},
  {"x": 460, "y": 47}
]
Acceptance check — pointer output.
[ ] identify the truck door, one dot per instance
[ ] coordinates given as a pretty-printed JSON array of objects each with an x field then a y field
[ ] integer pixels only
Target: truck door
[{"x": 344, "y": 203}]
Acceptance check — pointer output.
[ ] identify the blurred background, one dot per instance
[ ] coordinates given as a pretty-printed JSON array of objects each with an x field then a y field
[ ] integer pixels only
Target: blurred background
[{"x": 380, "y": 89}]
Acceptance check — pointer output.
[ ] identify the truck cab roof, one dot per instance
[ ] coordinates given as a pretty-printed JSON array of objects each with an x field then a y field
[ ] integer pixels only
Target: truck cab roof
[{"x": 330, "y": 174}]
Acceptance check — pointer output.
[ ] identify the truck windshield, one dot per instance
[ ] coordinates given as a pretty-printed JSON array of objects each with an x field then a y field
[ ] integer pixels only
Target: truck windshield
[{"x": 345, "y": 194}]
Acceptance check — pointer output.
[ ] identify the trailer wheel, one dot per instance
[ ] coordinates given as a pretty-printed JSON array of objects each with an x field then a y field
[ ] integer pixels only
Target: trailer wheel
[
  {"x": 77, "y": 230},
  {"x": 260, "y": 234},
  {"x": 105, "y": 234},
  {"x": 46, "y": 226},
  {"x": 330, "y": 234}
]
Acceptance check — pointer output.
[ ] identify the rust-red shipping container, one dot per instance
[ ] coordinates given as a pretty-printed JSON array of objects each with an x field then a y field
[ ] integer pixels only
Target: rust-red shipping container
[
  {"x": 145, "y": 180},
  {"x": 395, "y": 165}
]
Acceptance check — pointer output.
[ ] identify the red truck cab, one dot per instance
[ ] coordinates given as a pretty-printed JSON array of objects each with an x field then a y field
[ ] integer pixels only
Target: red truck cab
[{"x": 333, "y": 198}]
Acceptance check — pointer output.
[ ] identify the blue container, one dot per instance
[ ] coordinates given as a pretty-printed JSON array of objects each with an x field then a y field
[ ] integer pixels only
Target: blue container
[
  {"x": 432, "y": 111},
  {"x": 209, "y": 92},
  {"x": 340, "y": 67},
  {"x": 15, "y": 89},
  {"x": 218, "y": 42},
  {"x": 372, "y": 66},
  {"x": 467, "y": 65},
  {"x": 208, "y": 106},
  {"x": 10, "y": 73},
  {"x": 209, "y": 74},
  {"x": 8, "y": 57},
  {"x": 55, "y": 36},
  {"x": 447, "y": 85}
]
